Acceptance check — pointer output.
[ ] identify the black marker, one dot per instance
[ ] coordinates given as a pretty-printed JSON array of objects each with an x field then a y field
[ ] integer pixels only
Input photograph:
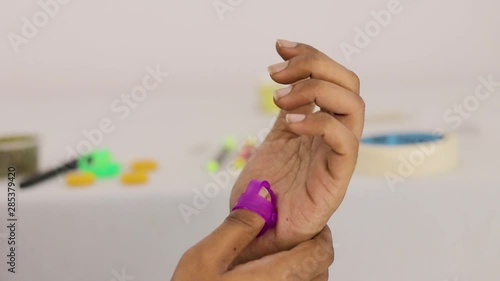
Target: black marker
[{"x": 71, "y": 165}]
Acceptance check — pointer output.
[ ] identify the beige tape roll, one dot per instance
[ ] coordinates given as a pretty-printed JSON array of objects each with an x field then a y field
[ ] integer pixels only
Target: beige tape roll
[
  {"x": 19, "y": 151},
  {"x": 408, "y": 160}
]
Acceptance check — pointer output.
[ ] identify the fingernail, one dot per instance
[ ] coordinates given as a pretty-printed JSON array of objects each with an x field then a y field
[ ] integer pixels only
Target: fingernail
[
  {"x": 278, "y": 94},
  {"x": 294, "y": 118},
  {"x": 286, "y": 44},
  {"x": 265, "y": 194},
  {"x": 275, "y": 68}
]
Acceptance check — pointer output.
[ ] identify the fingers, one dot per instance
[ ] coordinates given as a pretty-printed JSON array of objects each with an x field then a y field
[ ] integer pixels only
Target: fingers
[
  {"x": 303, "y": 61},
  {"x": 328, "y": 96},
  {"x": 224, "y": 244},
  {"x": 341, "y": 140},
  {"x": 307, "y": 261}
]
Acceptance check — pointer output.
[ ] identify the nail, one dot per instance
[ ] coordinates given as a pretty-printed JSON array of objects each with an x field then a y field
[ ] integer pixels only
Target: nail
[
  {"x": 275, "y": 68},
  {"x": 265, "y": 194},
  {"x": 286, "y": 44},
  {"x": 278, "y": 94},
  {"x": 295, "y": 118}
]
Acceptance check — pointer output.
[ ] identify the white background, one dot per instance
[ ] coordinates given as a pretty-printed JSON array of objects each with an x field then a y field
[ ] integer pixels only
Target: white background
[{"x": 65, "y": 79}]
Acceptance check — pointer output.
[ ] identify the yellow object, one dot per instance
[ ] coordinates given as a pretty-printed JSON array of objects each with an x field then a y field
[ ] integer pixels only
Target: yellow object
[
  {"x": 144, "y": 165},
  {"x": 266, "y": 92},
  {"x": 239, "y": 163},
  {"x": 79, "y": 179},
  {"x": 212, "y": 166},
  {"x": 135, "y": 177}
]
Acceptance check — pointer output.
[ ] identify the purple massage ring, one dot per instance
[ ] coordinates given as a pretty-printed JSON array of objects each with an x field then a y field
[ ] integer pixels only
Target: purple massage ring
[{"x": 251, "y": 200}]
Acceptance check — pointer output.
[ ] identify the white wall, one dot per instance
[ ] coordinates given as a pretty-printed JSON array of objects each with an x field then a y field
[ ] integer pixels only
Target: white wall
[
  {"x": 427, "y": 59},
  {"x": 108, "y": 42}
]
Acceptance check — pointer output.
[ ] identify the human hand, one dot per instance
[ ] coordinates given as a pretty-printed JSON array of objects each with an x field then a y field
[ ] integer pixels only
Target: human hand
[
  {"x": 308, "y": 157},
  {"x": 211, "y": 258}
]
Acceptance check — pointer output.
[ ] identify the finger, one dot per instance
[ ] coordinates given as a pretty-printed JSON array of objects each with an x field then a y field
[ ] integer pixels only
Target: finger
[
  {"x": 302, "y": 61},
  {"x": 340, "y": 139},
  {"x": 339, "y": 162},
  {"x": 225, "y": 243},
  {"x": 305, "y": 262},
  {"x": 328, "y": 96}
]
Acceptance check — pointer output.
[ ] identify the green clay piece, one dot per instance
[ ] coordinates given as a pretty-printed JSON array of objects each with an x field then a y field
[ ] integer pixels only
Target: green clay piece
[
  {"x": 100, "y": 163},
  {"x": 212, "y": 166},
  {"x": 230, "y": 143}
]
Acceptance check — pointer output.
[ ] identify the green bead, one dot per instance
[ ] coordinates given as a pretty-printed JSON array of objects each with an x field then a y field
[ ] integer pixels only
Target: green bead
[
  {"x": 100, "y": 163},
  {"x": 230, "y": 143},
  {"x": 212, "y": 166}
]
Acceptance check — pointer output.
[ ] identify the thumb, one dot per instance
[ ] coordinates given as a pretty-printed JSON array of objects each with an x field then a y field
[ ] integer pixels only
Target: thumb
[{"x": 238, "y": 230}]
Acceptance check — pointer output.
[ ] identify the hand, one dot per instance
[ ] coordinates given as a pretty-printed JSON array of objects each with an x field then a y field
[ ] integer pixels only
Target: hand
[
  {"x": 308, "y": 157},
  {"x": 211, "y": 258}
]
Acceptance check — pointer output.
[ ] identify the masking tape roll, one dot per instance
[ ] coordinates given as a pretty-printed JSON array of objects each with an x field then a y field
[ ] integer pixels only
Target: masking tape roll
[
  {"x": 19, "y": 151},
  {"x": 407, "y": 154}
]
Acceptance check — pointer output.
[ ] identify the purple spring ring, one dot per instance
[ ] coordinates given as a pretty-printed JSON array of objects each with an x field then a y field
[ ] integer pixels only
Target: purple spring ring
[{"x": 251, "y": 200}]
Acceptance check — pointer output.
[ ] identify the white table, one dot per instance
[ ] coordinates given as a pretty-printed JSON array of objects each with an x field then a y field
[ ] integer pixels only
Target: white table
[{"x": 444, "y": 227}]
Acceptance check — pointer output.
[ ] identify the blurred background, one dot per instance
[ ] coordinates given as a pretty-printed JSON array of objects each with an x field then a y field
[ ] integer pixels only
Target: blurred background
[{"x": 65, "y": 66}]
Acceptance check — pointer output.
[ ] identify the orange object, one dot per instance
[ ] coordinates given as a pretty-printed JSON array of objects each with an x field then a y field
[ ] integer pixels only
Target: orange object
[
  {"x": 134, "y": 177},
  {"x": 80, "y": 179},
  {"x": 144, "y": 165}
]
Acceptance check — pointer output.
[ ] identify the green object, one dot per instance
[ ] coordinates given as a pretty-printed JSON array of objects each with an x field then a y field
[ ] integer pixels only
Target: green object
[
  {"x": 212, "y": 166},
  {"x": 230, "y": 143},
  {"x": 100, "y": 163}
]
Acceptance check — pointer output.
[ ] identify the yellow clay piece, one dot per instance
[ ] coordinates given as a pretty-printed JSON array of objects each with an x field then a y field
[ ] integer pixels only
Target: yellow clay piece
[
  {"x": 79, "y": 179},
  {"x": 134, "y": 177},
  {"x": 144, "y": 165}
]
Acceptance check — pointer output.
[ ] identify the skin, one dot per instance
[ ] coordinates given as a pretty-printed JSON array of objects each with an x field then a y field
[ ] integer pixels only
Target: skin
[
  {"x": 212, "y": 257},
  {"x": 308, "y": 163},
  {"x": 309, "y": 158}
]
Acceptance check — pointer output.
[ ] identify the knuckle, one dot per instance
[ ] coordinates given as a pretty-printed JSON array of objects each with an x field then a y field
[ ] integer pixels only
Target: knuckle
[
  {"x": 310, "y": 88},
  {"x": 310, "y": 59},
  {"x": 239, "y": 219},
  {"x": 315, "y": 84},
  {"x": 354, "y": 78},
  {"x": 361, "y": 104},
  {"x": 325, "y": 119},
  {"x": 308, "y": 48}
]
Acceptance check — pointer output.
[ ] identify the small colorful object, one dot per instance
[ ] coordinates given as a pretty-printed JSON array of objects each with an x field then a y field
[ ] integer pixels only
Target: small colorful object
[
  {"x": 100, "y": 163},
  {"x": 134, "y": 178},
  {"x": 229, "y": 145},
  {"x": 79, "y": 179},
  {"x": 239, "y": 163},
  {"x": 245, "y": 153},
  {"x": 144, "y": 165},
  {"x": 266, "y": 92}
]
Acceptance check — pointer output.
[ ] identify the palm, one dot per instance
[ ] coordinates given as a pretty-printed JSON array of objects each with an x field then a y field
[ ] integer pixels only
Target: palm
[{"x": 303, "y": 172}]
